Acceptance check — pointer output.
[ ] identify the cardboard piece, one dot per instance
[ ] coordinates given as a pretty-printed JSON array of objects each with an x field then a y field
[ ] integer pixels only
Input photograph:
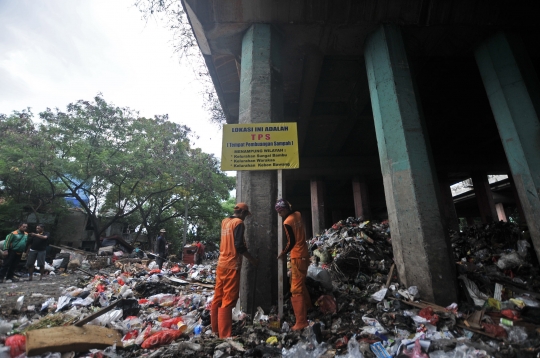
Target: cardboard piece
[{"x": 70, "y": 338}]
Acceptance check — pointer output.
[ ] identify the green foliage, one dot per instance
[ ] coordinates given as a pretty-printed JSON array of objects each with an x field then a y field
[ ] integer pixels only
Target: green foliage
[
  {"x": 115, "y": 164},
  {"x": 23, "y": 189}
]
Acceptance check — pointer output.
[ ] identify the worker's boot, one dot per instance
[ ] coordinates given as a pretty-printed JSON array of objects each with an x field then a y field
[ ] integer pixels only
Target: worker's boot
[
  {"x": 214, "y": 318},
  {"x": 300, "y": 312},
  {"x": 225, "y": 322}
]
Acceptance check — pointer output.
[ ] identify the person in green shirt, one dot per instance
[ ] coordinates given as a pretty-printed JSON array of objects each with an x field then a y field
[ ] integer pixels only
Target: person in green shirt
[{"x": 15, "y": 244}]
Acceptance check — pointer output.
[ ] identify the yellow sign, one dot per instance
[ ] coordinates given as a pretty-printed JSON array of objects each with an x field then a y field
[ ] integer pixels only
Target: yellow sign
[{"x": 261, "y": 146}]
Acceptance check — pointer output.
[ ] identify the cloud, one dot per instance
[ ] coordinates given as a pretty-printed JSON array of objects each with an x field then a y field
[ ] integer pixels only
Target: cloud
[{"x": 55, "y": 52}]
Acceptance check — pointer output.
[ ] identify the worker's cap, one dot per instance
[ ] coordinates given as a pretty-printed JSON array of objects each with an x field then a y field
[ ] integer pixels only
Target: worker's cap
[
  {"x": 242, "y": 206},
  {"x": 162, "y": 230},
  {"x": 282, "y": 204}
]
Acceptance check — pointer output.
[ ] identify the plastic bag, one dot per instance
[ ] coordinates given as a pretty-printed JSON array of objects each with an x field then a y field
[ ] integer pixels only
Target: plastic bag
[
  {"x": 162, "y": 299},
  {"x": 478, "y": 297},
  {"x": 320, "y": 275},
  {"x": 161, "y": 338},
  {"x": 379, "y": 295},
  {"x": 517, "y": 334},
  {"x": 507, "y": 261},
  {"x": 107, "y": 318},
  {"x": 428, "y": 314},
  {"x": 175, "y": 269},
  {"x": 416, "y": 352},
  {"x": 153, "y": 265},
  {"x": 19, "y": 304},
  {"x": 353, "y": 349},
  {"x": 523, "y": 246},
  {"x": 17, "y": 344},
  {"x": 143, "y": 335},
  {"x": 495, "y": 330},
  {"x": 171, "y": 322}
]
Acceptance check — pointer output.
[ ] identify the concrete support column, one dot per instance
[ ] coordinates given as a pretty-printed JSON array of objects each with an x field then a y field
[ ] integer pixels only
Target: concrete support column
[
  {"x": 361, "y": 199},
  {"x": 318, "y": 223},
  {"x": 501, "y": 215},
  {"x": 484, "y": 197},
  {"x": 517, "y": 201},
  {"x": 513, "y": 90},
  {"x": 447, "y": 203},
  {"x": 261, "y": 101},
  {"x": 420, "y": 242}
]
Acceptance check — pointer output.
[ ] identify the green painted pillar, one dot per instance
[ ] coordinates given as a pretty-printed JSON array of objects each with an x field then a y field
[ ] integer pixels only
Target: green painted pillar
[
  {"x": 513, "y": 90},
  {"x": 420, "y": 242},
  {"x": 261, "y": 101}
]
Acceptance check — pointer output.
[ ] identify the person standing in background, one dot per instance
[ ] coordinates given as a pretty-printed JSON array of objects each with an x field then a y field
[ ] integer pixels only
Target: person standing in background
[
  {"x": 15, "y": 245},
  {"x": 37, "y": 250},
  {"x": 161, "y": 247}
]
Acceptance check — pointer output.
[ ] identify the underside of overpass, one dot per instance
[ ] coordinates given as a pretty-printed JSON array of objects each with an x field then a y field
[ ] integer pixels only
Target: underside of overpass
[{"x": 325, "y": 65}]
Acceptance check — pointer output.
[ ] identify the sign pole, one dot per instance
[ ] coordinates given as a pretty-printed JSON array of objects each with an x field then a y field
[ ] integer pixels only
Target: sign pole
[{"x": 280, "y": 192}]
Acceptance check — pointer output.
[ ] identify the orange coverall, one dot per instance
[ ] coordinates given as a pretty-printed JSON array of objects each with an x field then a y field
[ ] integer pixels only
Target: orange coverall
[{"x": 297, "y": 245}]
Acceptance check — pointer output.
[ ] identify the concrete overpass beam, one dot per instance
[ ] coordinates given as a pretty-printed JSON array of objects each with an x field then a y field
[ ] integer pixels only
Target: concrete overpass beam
[
  {"x": 261, "y": 101},
  {"x": 318, "y": 223},
  {"x": 448, "y": 208},
  {"x": 513, "y": 90},
  {"x": 421, "y": 244},
  {"x": 484, "y": 197},
  {"x": 361, "y": 199}
]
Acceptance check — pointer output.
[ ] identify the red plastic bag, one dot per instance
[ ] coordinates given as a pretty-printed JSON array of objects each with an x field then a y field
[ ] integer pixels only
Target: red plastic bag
[
  {"x": 130, "y": 335},
  {"x": 170, "y": 322},
  {"x": 495, "y": 330},
  {"x": 154, "y": 271},
  {"x": 161, "y": 338},
  {"x": 512, "y": 314},
  {"x": 416, "y": 352},
  {"x": 428, "y": 314},
  {"x": 17, "y": 344},
  {"x": 143, "y": 301},
  {"x": 175, "y": 269}
]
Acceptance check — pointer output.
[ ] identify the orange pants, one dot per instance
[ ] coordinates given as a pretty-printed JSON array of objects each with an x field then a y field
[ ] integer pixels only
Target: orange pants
[
  {"x": 299, "y": 269},
  {"x": 227, "y": 289}
]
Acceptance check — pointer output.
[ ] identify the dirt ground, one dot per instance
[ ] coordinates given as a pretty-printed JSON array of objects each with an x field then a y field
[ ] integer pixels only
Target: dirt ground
[{"x": 35, "y": 292}]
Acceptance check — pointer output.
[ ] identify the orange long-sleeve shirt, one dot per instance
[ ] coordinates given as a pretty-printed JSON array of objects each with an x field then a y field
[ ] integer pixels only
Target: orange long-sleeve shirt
[
  {"x": 296, "y": 236},
  {"x": 232, "y": 244}
]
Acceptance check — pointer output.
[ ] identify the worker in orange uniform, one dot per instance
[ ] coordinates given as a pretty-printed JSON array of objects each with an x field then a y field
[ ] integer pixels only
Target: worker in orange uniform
[
  {"x": 297, "y": 246},
  {"x": 231, "y": 250}
]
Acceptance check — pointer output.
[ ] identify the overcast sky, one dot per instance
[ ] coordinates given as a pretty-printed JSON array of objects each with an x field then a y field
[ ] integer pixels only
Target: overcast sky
[{"x": 54, "y": 52}]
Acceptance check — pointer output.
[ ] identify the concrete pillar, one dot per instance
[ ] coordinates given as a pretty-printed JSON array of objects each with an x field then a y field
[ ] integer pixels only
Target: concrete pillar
[
  {"x": 484, "y": 197},
  {"x": 517, "y": 201},
  {"x": 513, "y": 90},
  {"x": 318, "y": 214},
  {"x": 361, "y": 199},
  {"x": 420, "y": 242},
  {"x": 501, "y": 215},
  {"x": 261, "y": 101},
  {"x": 447, "y": 205}
]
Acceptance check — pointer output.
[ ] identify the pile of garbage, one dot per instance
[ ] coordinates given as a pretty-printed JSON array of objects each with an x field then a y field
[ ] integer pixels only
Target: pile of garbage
[{"x": 360, "y": 309}]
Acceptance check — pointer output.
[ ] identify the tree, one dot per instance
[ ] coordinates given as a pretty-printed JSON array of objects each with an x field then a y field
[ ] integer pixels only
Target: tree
[
  {"x": 23, "y": 189},
  {"x": 109, "y": 159},
  {"x": 206, "y": 187}
]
